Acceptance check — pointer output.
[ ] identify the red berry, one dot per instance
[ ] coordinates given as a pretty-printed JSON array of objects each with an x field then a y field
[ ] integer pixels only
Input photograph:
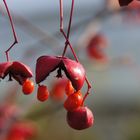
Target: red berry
[
  {"x": 69, "y": 88},
  {"x": 95, "y": 47},
  {"x": 21, "y": 131},
  {"x": 81, "y": 118},
  {"x": 42, "y": 93},
  {"x": 73, "y": 101},
  {"x": 28, "y": 87},
  {"x": 57, "y": 92}
]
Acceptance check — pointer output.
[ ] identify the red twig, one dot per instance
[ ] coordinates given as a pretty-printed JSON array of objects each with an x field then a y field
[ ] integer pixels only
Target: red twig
[
  {"x": 13, "y": 30},
  {"x": 69, "y": 27},
  {"x": 67, "y": 39}
]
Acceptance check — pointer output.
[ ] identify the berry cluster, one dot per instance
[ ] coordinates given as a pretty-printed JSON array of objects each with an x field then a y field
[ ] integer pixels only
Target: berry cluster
[
  {"x": 20, "y": 72},
  {"x": 15, "y": 69},
  {"x": 78, "y": 115}
]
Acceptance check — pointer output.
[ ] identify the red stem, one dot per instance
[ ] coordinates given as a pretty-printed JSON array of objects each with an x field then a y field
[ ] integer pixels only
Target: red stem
[
  {"x": 67, "y": 39},
  {"x": 70, "y": 20},
  {"x": 61, "y": 14},
  {"x": 74, "y": 54},
  {"x": 13, "y": 30},
  {"x": 69, "y": 27}
]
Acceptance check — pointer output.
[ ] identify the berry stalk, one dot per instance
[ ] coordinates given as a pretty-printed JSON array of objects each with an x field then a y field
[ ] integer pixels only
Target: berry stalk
[
  {"x": 67, "y": 39},
  {"x": 13, "y": 30},
  {"x": 70, "y": 21}
]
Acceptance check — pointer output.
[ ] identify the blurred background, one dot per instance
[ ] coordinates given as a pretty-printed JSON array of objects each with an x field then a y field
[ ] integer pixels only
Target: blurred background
[{"x": 112, "y": 67}]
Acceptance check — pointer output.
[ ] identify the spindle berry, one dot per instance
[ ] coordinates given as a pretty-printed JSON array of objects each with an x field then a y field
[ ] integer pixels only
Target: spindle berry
[
  {"x": 42, "y": 93},
  {"x": 58, "y": 89},
  {"x": 69, "y": 88},
  {"x": 28, "y": 87},
  {"x": 73, "y": 101}
]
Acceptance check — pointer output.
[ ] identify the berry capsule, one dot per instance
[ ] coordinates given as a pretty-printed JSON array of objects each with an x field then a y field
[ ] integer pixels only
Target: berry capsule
[{"x": 81, "y": 118}]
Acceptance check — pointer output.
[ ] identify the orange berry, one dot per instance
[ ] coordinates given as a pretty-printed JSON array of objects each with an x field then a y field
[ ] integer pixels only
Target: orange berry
[
  {"x": 73, "y": 101},
  {"x": 28, "y": 87},
  {"x": 42, "y": 93},
  {"x": 57, "y": 92},
  {"x": 69, "y": 88}
]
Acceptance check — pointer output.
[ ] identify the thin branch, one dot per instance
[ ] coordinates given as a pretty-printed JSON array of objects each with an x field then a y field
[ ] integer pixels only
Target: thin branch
[
  {"x": 68, "y": 42},
  {"x": 13, "y": 30}
]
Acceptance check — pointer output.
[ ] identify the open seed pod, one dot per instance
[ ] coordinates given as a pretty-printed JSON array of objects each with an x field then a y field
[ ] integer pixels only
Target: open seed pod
[
  {"x": 73, "y": 70},
  {"x": 4, "y": 68},
  {"x": 17, "y": 70}
]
